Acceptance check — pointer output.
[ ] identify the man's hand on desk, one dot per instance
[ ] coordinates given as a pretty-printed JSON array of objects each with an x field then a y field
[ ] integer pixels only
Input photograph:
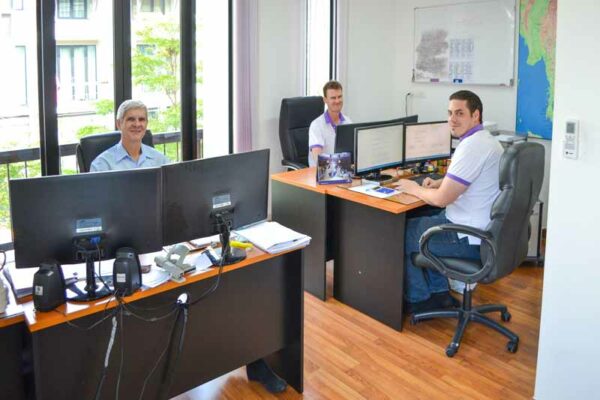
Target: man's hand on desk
[
  {"x": 407, "y": 186},
  {"x": 431, "y": 183}
]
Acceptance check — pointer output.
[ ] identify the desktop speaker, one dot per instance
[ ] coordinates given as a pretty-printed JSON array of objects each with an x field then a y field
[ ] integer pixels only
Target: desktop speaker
[
  {"x": 48, "y": 287},
  {"x": 127, "y": 274}
]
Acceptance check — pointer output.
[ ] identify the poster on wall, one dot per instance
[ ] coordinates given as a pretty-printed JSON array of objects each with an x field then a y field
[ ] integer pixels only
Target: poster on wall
[
  {"x": 535, "y": 85},
  {"x": 465, "y": 43}
]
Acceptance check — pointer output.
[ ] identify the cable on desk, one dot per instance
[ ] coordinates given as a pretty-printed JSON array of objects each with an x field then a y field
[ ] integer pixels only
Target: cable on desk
[
  {"x": 111, "y": 341},
  {"x": 215, "y": 285},
  {"x": 169, "y": 371},
  {"x": 122, "y": 339},
  {"x": 162, "y": 354},
  {"x": 95, "y": 324}
]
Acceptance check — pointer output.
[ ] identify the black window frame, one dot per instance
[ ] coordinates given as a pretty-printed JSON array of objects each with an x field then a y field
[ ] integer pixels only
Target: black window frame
[{"x": 71, "y": 9}]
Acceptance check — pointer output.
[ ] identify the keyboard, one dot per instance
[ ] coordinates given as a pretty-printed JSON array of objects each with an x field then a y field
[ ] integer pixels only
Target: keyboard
[{"x": 420, "y": 178}]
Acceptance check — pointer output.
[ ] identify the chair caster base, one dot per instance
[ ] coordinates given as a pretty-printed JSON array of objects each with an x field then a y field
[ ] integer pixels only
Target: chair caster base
[
  {"x": 512, "y": 347},
  {"x": 452, "y": 349}
]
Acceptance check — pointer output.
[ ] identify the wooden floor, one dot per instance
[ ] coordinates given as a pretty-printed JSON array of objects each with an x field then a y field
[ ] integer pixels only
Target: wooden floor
[{"x": 347, "y": 355}]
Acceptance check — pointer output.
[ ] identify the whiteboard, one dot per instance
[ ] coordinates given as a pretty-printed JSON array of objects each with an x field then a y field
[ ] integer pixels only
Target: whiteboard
[{"x": 467, "y": 43}]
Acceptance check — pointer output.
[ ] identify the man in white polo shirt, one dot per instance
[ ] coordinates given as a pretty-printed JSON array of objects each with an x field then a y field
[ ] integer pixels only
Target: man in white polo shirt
[
  {"x": 467, "y": 191},
  {"x": 321, "y": 134}
]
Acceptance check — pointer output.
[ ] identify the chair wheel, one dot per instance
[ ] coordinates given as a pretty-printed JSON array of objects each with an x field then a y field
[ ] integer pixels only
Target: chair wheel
[
  {"x": 512, "y": 347},
  {"x": 451, "y": 349},
  {"x": 505, "y": 316}
]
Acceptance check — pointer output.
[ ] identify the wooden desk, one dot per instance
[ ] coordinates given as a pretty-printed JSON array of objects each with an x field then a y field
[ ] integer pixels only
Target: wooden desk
[
  {"x": 256, "y": 312},
  {"x": 364, "y": 236}
]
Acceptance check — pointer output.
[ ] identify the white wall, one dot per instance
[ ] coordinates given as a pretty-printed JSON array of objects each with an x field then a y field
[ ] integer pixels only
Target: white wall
[
  {"x": 280, "y": 69},
  {"x": 569, "y": 351}
]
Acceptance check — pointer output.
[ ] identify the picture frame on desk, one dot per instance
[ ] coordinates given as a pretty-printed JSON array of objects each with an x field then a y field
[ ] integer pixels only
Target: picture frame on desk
[{"x": 334, "y": 168}]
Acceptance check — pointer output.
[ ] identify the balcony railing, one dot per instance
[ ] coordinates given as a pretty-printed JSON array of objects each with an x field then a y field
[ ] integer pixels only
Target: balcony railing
[{"x": 26, "y": 156}]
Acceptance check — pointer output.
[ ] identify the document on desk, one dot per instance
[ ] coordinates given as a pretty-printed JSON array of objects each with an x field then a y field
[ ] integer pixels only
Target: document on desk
[
  {"x": 375, "y": 190},
  {"x": 273, "y": 237}
]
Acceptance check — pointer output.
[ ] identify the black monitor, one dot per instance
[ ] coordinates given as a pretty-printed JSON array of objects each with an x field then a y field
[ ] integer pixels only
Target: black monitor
[
  {"x": 344, "y": 134},
  {"x": 87, "y": 217},
  {"x": 426, "y": 141},
  {"x": 377, "y": 148},
  {"x": 212, "y": 195}
]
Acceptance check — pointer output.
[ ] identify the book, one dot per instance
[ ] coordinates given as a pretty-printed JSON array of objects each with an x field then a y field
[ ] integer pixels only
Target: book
[
  {"x": 273, "y": 237},
  {"x": 334, "y": 168}
]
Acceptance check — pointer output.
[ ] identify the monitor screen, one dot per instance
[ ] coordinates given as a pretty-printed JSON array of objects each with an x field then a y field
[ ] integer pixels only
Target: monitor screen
[
  {"x": 48, "y": 213},
  {"x": 378, "y": 147},
  {"x": 426, "y": 141},
  {"x": 344, "y": 134},
  {"x": 194, "y": 190}
]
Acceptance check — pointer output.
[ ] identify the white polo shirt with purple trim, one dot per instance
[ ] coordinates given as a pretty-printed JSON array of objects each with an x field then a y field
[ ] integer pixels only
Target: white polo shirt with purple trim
[
  {"x": 322, "y": 134},
  {"x": 475, "y": 164}
]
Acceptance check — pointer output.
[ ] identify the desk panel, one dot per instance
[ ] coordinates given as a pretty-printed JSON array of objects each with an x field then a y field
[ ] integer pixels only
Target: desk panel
[
  {"x": 369, "y": 261},
  {"x": 257, "y": 311}
]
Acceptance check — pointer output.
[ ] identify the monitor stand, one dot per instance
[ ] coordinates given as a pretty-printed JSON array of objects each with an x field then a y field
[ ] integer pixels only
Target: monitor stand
[
  {"x": 377, "y": 177},
  {"x": 229, "y": 255},
  {"x": 88, "y": 250}
]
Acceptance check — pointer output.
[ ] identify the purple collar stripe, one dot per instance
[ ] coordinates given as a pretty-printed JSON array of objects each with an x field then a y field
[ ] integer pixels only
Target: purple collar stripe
[
  {"x": 320, "y": 146},
  {"x": 471, "y": 131},
  {"x": 459, "y": 180},
  {"x": 330, "y": 122}
]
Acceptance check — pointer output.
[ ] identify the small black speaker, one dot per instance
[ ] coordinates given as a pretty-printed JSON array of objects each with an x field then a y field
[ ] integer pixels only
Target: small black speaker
[
  {"x": 127, "y": 274},
  {"x": 48, "y": 287}
]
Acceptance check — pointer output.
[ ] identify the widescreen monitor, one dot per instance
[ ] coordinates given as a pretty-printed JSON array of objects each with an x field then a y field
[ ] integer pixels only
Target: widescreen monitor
[
  {"x": 377, "y": 148},
  {"x": 344, "y": 134},
  {"x": 51, "y": 214},
  {"x": 426, "y": 141},
  {"x": 196, "y": 192}
]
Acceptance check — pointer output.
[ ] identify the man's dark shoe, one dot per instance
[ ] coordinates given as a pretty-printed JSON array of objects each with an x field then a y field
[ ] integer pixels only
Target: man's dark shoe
[
  {"x": 420, "y": 306},
  {"x": 445, "y": 300},
  {"x": 261, "y": 372}
]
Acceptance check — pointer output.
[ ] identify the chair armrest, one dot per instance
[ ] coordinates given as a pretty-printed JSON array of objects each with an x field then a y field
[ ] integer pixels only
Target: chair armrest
[
  {"x": 292, "y": 166},
  {"x": 439, "y": 264}
]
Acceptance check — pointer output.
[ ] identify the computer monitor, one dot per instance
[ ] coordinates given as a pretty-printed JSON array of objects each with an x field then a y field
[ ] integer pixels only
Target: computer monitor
[
  {"x": 376, "y": 148},
  {"x": 344, "y": 134},
  {"x": 426, "y": 141},
  {"x": 82, "y": 218},
  {"x": 212, "y": 195}
]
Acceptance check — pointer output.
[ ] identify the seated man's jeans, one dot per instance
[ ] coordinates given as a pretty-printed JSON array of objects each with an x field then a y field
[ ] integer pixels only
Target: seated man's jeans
[{"x": 420, "y": 283}]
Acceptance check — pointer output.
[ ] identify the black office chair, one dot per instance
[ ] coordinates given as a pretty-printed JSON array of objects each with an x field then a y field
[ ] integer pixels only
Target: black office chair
[
  {"x": 91, "y": 146},
  {"x": 504, "y": 243},
  {"x": 294, "y": 120}
]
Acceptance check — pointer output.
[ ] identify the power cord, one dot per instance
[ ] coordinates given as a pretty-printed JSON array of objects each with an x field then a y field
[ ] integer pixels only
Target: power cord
[
  {"x": 111, "y": 342},
  {"x": 406, "y": 103}
]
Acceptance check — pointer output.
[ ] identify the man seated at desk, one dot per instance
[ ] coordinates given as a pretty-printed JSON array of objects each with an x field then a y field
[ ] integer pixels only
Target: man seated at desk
[
  {"x": 467, "y": 191},
  {"x": 321, "y": 133},
  {"x": 130, "y": 153}
]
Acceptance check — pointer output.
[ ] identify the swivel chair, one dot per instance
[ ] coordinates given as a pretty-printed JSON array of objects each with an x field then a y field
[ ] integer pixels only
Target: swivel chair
[
  {"x": 295, "y": 117},
  {"x": 504, "y": 243},
  {"x": 92, "y": 146}
]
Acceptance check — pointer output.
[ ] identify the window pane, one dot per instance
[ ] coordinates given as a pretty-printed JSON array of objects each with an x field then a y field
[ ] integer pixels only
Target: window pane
[
  {"x": 212, "y": 61},
  {"x": 318, "y": 46},
  {"x": 19, "y": 124},
  {"x": 76, "y": 9},
  {"x": 155, "y": 68},
  {"x": 84, "y": 77}
]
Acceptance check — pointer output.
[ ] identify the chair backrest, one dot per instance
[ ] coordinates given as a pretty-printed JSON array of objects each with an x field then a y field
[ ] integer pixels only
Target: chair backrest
[
  {"x": 294, "y": 120},
  {"x": 521, "y": 177},
  {"x": 92, "y": 146}
]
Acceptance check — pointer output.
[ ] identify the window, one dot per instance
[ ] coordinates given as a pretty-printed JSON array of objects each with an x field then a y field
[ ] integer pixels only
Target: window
[
  {"x": 318, "y": 48},
  {"x": 21, "y": 75},
  {"x": 76, "y": 70},
  {"x": 16, "y": 4},
  {"x": 161, "y": 6},
  {"x": 72, "y": 9}
]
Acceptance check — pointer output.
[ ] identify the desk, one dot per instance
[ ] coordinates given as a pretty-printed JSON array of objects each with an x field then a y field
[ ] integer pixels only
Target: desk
[
  {"x": 257, "y": 312},
  {"x": 364, "y": 236}
]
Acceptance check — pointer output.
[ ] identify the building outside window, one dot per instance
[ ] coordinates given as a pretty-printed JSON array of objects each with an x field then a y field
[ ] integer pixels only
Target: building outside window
[
  {"x": 76, "y": 70},
  {"x": 318, "y": 27},
  {"x": 16, "y": 4},
  {"x": 72, "y": 9}
]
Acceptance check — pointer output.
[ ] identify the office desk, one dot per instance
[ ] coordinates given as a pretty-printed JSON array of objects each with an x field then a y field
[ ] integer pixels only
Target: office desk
[
  {"x": 12, "y": 337},
  {"x": 364, "y": 236},
  {"x": 256, "y": 312}
]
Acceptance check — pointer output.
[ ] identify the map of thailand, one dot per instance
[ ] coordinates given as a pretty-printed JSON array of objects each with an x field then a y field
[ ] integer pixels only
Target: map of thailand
[{"x": 535, "y": 88}]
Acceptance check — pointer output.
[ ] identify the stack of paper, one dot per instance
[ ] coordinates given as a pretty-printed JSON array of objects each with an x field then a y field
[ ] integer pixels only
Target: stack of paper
[{"x": 273, "y": 237}]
